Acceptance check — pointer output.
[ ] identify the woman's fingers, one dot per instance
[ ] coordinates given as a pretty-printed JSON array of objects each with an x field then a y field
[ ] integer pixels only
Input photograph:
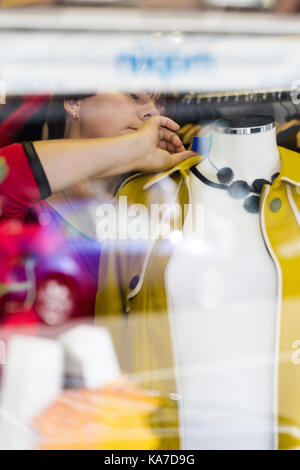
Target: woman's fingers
[
  {"x": 162, "y": 159},
  {"x": 164, "y": 121},
  {"x": 164, "y": 145},
  {"x": 170, "y": 137}
]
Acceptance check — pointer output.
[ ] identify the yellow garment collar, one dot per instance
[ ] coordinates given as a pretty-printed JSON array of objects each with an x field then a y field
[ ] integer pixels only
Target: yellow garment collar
[
  {"x": 290, "y": 167},
  {"x": 183, "y": 167}
]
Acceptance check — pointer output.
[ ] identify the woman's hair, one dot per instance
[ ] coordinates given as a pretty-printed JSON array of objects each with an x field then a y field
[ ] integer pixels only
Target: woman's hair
[{"x": 56, "y": 115}]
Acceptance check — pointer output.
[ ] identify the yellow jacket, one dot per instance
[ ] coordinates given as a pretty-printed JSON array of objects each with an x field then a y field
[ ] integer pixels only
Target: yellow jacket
[{"x": 132, "y": 298}]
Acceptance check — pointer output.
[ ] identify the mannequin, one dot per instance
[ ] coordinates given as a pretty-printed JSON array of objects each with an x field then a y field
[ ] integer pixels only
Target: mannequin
[{"x": 222, "y": 300}]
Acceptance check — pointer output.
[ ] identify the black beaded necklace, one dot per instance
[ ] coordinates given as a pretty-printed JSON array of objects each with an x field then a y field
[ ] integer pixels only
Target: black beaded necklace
[{"x": 239, "y": 189}]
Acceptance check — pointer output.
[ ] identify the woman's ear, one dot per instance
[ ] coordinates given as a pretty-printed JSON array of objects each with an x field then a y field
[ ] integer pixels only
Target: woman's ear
[{"x": 72, "y": 107}]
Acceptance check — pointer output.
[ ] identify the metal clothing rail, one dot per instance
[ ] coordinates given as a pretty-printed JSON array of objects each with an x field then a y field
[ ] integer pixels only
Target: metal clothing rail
[
  {"x": 250, "y": 96},
  {"x": 207, "y": 107}
]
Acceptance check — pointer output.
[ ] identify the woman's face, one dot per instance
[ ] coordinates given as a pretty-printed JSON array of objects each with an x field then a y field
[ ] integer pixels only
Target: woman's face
[{"x": 112, "y": 114}]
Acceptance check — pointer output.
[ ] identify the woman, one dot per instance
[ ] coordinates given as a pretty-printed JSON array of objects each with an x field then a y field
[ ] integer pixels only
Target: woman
[
  {"x": 105, "y": 115},
  {"x": 102, "y": 136}
]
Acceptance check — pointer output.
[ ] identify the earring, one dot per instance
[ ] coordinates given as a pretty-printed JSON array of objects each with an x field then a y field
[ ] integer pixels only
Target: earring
[{"x": 75, "y": 114}]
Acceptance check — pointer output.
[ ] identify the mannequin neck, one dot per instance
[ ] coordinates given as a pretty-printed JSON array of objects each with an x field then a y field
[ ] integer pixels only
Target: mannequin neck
[{"x": 249, "y": 156}]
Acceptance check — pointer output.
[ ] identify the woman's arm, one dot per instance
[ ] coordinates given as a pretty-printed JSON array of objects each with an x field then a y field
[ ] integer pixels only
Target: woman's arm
[{"x": 154, "y": 147}]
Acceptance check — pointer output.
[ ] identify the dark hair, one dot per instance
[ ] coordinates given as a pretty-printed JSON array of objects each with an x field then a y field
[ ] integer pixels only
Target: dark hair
[{"x": 56, "y": 115}]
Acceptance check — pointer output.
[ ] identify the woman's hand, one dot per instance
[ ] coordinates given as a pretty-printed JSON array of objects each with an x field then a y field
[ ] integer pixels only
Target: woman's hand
[
  {"x": 163, "y": 148},
  {"x": 159, "y": 131},
  {"x": 154, "y": 147}
]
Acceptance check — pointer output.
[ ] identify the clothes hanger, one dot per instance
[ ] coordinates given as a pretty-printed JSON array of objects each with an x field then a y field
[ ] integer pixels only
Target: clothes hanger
[
  {"x": 296, "y": 115},
  {"x": 288, "y": 115}
]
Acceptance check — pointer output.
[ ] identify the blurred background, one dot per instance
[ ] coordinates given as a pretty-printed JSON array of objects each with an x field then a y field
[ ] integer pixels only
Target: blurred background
[{"x": 207, "y": 58}]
